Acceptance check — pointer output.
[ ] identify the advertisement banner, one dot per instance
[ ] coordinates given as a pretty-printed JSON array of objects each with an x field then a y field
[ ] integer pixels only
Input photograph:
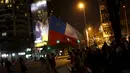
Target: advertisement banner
[{"x": 40, "y": 21}]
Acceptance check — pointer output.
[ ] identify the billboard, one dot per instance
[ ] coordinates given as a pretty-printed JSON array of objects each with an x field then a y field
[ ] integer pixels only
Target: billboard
[{"x": 40, "y": 21}]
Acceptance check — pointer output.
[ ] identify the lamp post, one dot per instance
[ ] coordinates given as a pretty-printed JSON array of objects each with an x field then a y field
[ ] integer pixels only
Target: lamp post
[
  {"x": 88, "y": 36},
  {"x": 82, "y": 6},
  {"x": 126, "y": 21}
]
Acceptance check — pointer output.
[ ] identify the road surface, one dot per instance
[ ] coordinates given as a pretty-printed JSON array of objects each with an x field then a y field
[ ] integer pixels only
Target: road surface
[{"x": 62, "y": 66}]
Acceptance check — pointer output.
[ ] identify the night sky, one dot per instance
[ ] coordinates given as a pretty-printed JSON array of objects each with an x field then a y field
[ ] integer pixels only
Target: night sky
[{"x": 69, "y": 12}]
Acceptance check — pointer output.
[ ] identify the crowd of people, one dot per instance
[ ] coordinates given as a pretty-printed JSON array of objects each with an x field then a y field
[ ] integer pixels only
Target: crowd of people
[
  {"x": 9, "y": 65},
  {"x": 48, "y": 64},
  {"x": 109, "y": 59}
]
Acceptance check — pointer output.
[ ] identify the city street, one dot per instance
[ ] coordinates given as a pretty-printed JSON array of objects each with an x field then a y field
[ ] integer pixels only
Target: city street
[
  {"x": 62, "y": 65},
  {"x": 34, "y": 66}
]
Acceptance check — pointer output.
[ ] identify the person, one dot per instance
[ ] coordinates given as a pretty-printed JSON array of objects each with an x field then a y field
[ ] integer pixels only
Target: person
[
  {"x": 72, "y": 61},
  {"x": 45, "y": 66},
  {"x": 35, "y": 58},
  {"x": 49, "y": 59},
  {"x": 78, "y": 62},
  {"x": 53, "y": 62},
  {"x": 22, "y": 65},
  {"x": 8, "y": 66},
  {"x": 2, "y": 62},
  {"x": 72, "y": 58}
]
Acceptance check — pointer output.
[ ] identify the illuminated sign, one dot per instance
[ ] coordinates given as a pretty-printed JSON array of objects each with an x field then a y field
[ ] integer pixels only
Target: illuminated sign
[
  {"x": 40, "y": 20},
  {"x": 21, "y": 53}
]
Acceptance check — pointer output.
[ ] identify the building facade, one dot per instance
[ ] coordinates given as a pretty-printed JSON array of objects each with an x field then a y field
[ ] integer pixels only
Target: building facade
[
  {"x": 15, "y": 17},
  {"x": 15, "y": 21},
  {"x": 105, "y": 26}
]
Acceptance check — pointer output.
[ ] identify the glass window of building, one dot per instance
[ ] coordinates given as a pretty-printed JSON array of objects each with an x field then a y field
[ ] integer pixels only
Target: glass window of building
[
  {"x": 21, "y": 3},
  {"x": 25, "y": 14},
  {"x": 39, "y": 12},
  {"x": 17, "y": 7},
  {"x": 6, "y": 1},
  {"x": 10, "y": 5},
  {"x": 4, "y": 34},
  {"x": 1, "y": 1}
]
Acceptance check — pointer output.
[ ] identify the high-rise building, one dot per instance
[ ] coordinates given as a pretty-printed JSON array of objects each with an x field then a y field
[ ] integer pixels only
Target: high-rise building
[
  {"x": 105, "y": 21},
  {"x": 104, "y": 15},
  {"x": 15, "y": 20},
  {"x": 15, "y": 17},
  {"x": 124, "y": 15}
]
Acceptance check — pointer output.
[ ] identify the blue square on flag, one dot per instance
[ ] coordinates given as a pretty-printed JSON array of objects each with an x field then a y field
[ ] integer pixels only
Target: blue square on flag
[{"x": 57, "y": 25}]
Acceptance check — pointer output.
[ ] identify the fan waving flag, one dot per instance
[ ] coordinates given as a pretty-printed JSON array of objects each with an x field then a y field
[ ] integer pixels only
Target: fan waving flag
[{"x": 60, "y": 32}]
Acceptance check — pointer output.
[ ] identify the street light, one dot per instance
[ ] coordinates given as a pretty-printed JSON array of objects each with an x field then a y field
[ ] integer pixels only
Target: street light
[
  {"x": 89, "y": 28},
  {"x": 88, "y": 36},
  {"x": 123, "y": 6},
  {"x": 126, "y": 21},
  {"x": 82, "y": 6}
]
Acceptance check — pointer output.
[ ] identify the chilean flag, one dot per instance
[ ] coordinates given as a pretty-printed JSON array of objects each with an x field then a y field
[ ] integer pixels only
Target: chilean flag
[{"x": 62, "y": 32}]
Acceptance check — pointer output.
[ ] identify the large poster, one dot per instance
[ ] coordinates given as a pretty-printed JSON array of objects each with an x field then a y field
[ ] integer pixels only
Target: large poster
[{"x": 40, "y": 20}]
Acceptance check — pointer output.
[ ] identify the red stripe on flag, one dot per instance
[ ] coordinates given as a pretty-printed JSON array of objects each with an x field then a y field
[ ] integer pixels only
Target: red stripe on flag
[
  {"x": 72, "y": 41},
  {"x": 54, "y": 36}
]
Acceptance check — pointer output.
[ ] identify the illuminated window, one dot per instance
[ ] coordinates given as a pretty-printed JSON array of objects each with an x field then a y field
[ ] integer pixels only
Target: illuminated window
[
  {"x": 21, "y": 3},
  {"x": 39, "y": 11},
  {"x": 25, "y": 14},
  {"x": 7, "y": 5},
  {"x": 51, "y": 10},
  {"x": 10, "y": 5},
  {"x": 2, "y": 1},
  {"x": 17, "y": 7},
  {"x": 6, "y": 1},
  {"x": 4, "y": 34}
]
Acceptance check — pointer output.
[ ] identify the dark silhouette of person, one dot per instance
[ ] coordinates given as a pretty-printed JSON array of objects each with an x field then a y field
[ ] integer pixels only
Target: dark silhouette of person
[
  {"x": 8, "y": 66},
  {"x": 53, "y": 61},
  {"x": 2, "y": 62},
  {"x": 22, "y": 65}
]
